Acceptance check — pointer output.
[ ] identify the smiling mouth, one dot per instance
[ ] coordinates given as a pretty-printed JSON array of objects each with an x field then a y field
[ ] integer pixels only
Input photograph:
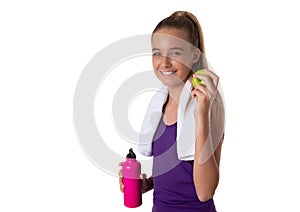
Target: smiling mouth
[{"x": 167, "y": 73}]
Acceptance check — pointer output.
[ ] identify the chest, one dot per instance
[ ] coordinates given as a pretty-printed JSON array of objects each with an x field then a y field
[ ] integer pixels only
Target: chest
[{"x": 170, "y": 114}]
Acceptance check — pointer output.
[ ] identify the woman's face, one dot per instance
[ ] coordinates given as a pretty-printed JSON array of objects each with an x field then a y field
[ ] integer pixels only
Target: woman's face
[{"x": 172, "y": 56}]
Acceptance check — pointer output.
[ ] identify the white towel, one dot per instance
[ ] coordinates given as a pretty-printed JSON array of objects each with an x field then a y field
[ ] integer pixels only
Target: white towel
[{"x": 185, "y": 124}]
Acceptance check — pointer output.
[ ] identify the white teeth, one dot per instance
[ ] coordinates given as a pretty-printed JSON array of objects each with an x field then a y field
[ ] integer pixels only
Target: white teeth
[{"x": 167, "y": 73}]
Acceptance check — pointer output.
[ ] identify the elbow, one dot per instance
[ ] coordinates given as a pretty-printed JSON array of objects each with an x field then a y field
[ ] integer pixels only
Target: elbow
[
  {"x": 203, "y": 197},
  {"x": 204, "y": 194}
]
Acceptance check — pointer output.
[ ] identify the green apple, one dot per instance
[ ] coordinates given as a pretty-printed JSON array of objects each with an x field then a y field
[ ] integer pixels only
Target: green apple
[{"x": 196, "y": 81}]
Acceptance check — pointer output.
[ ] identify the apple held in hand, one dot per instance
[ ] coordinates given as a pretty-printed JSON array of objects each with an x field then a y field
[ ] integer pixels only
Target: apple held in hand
[{"x": 196, "y": 81}]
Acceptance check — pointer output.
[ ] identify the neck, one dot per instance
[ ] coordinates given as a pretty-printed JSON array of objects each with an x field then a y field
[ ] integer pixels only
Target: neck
[{"x": 175, "y": 92}]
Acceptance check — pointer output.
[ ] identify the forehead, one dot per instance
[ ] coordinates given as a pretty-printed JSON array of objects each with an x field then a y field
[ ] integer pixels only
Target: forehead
[{"x": 168, "y": 38}]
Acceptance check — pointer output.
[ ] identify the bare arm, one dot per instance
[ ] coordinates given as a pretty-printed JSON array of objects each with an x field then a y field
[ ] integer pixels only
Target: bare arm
[
  {"x": 206, "y": 175},
  {"x": 206, "y": 169}
]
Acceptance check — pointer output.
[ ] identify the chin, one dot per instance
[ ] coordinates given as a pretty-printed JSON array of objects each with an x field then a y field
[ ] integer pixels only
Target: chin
[{"x": 172, "y": 83}]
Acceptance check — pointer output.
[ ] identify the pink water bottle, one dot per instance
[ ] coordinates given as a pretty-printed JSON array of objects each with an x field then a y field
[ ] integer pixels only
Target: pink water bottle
[{"x": 131, "y": 170}]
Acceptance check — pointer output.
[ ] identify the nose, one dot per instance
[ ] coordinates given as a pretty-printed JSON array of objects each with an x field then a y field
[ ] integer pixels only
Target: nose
[{"x": 166, "y": 61}]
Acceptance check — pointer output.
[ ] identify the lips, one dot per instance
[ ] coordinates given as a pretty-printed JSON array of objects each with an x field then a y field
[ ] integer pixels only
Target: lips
[{"x": 167, "y": 73}]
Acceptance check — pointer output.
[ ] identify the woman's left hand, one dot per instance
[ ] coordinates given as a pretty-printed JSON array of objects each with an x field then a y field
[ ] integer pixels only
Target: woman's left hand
[{"x": 205, "y": 94}]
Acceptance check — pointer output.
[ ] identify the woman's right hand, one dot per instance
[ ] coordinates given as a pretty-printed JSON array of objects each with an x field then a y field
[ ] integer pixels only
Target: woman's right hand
[{"x": 147, "y": 183}]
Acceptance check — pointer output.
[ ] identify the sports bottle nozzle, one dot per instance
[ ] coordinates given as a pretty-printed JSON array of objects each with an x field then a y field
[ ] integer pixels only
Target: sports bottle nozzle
[{"x": 131, "y": 154}]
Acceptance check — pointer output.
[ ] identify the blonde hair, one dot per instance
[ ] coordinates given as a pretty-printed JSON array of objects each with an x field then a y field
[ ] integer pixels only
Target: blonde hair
[{"x": 189, "y": 23}]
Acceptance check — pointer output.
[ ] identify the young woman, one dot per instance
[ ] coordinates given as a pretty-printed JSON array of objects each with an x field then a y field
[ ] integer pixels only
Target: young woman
[{"x": 187, "y": 139}]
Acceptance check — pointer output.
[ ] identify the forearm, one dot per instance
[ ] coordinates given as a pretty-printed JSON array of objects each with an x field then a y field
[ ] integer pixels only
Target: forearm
[{"x": 206, "y": 171}]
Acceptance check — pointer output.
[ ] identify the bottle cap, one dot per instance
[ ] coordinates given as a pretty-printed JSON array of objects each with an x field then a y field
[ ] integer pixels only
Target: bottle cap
[{"x": 130, "y": 154}]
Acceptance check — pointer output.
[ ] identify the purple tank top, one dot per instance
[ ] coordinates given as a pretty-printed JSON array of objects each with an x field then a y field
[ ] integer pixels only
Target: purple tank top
[{"x": 174, "y": 189}]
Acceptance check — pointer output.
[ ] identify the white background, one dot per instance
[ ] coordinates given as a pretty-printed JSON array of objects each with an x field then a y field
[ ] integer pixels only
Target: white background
[{"x": 253, "y": 47}]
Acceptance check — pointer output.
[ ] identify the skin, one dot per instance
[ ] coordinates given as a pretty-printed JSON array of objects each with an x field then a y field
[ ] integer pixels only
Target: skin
[
  {"x": 206, "y": 175},
  {"x": 172, "y": 53}
]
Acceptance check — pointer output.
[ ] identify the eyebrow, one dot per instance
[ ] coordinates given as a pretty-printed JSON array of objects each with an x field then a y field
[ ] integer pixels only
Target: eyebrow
[{"x": 174, "y": 48}]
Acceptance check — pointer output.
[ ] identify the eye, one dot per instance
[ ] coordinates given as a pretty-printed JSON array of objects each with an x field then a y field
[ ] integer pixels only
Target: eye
[
  {"x": 156, "y": 53},
  {"x": 175, "y": 53}
]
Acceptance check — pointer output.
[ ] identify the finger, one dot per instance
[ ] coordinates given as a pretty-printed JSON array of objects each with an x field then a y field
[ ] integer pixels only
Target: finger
[
  {"x": 206, "y": 79},
  {"x": 199, "y": 90},
  {"x": 121, "y": 181},
  {"x": 202, "y": 77},
  {"x": 194, "y": 93},
  {"x": 121, "y": 164},
  {"x": 143, "y": 176},
  {"x": 120, "y": 174},
  {"x": 213, "y": 76},
  {"x": 209, "y": 84},
  {"x": 121, "y": 185},
  {"x": 211, "y": 89}
]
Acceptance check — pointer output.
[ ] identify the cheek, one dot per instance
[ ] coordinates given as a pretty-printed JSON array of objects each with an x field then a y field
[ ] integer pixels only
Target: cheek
[
  {"x": 155, "y": 62},
  {"x": 189, "y": 62},
  {"x": 184, "y": 62},
  {"x": 152, "y": 61}
]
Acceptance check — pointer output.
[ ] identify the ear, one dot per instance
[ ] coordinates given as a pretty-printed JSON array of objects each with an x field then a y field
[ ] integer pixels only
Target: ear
[{"x": 196, "y": 55}]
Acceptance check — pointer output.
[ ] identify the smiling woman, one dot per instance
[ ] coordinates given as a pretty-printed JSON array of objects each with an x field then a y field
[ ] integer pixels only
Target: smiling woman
[
  {"x": 186, "y": 152},
  {"x": 173, "y": 56}
]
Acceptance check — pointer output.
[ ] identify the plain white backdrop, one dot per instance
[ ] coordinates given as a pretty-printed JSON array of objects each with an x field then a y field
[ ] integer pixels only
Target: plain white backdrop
[{"x": 253, "y": 46}]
